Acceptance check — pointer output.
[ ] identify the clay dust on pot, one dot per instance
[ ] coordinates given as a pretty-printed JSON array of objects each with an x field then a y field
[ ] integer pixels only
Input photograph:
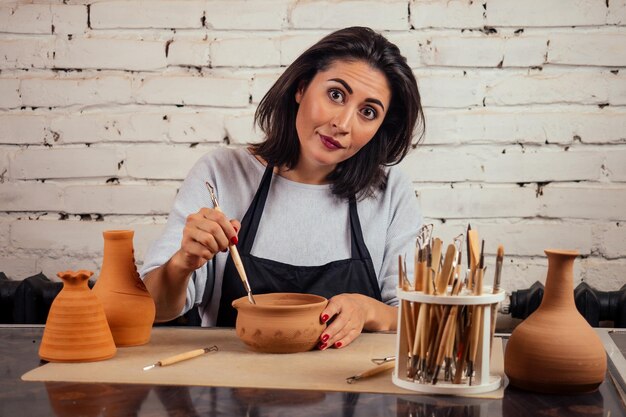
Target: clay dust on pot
[{"x": 280, "y": 322}]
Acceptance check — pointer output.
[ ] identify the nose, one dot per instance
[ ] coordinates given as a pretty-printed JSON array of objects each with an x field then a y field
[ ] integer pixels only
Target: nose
[{"x": 342, "y": 121}]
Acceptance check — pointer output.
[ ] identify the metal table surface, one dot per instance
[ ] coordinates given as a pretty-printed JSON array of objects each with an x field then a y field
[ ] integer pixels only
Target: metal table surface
[{"x": 18, "y": 354}]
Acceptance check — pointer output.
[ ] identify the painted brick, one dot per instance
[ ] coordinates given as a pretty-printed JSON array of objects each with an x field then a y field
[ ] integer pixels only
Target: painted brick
[
  {"x": 293, "y": 45},
  {"x": 447, "y": 14},
  {"x": 124, "y": 54},
  {"x": 604, "y": 275},
  {"x": 605, "y": 49},
  {"x": 102, "y": 126},
  {"x": 189, "y": 53},
  {"x": 161, "y": 162},
  {"x": 616, "y": 165},
  {"x": 617, "y": 12},
  {"x": 206, "y": 91},
  {"x": 4, "y": 165},
  {"x": 147, "y": 14},
  {"x": 204, "y": 126},
  {"x": 483, "y": 51},
  {"x": 49, "y": 264},
  {"x": 524, "y": 125},
  {"x": 18, "y": 268},
  {"x": 543, "y": 166},
  {"x": 426, "y": 164},
  {"x": 30, "y": 196},
  {"x": 68, "y": 18},
  {"x": 256, "y": 15},
  {"x": 592, "y": 88},
  {"x": 450, "y": 89},
  {"x": 27, "y": 52},
  {"x": 613, "y": 241},
  {"x": 53, "y": 92},
  {"x": 573, "y": 201},
  {"x": 464, "y": 201},
  {"x": 65, "y": 163},
  {"x": 26, "y": 18},
  {"x": 9, "y": 93},
  {"x": 119, "y": 199},
  {"x": 21, "y": 129},
  {"x": 380, "y": 15},
  {"x": 250, "y": 52},
  {"x": 4, "y": 233},
  {"x": 241, "y": 130},
  {"x": 261, "y": 85},
  {"x": 521, "y": 237},
  {"x": 542, "y": 13}
]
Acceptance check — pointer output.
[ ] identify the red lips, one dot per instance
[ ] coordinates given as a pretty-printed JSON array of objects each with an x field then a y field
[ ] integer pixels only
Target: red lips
[{"x": 330, "y": 143}]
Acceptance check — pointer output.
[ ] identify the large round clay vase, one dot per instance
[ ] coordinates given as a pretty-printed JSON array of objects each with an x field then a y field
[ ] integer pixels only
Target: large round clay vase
[
  {"x": 127, "y": 303},
  {"x": 555, "y": 350},
  {"x": 76, "y": 328}
]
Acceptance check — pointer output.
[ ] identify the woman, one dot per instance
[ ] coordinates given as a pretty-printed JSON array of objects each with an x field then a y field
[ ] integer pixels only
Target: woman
[{"x": 334, "y": 121}]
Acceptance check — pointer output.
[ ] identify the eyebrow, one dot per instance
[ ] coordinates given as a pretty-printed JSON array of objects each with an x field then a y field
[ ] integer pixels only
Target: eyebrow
[{"x": 347, "y": 87}]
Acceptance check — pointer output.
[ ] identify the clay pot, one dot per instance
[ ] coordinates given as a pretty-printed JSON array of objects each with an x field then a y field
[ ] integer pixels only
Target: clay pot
[
  {"x": 127, "y": 303},
  {"x": 280, "y": 322},
  {"x": 555, "y": 350},
  {"x": 76, "y": 328}
]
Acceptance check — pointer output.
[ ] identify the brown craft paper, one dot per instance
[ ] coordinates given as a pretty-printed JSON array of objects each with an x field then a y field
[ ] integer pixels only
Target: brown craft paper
[{"x": 234, "y": 365}]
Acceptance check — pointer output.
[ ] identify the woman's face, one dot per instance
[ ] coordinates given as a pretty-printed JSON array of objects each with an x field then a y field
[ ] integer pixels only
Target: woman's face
[{"x": 340, "y": 111}]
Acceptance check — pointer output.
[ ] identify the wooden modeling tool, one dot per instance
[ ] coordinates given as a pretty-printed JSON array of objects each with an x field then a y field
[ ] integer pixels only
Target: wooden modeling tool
[
  {"x": 233, "y": 251},
  {"x": 371, "y": 372},
  {"x": 496, "y": 288},
  {"x": 181, "y": 357}
]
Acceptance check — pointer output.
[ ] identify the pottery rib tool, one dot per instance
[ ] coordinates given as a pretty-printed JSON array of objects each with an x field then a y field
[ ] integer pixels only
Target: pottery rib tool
[
  {"x": 371, "y": 372},
  {"x": 233, "y": 250},
  {"x": 181, "y": 357}
]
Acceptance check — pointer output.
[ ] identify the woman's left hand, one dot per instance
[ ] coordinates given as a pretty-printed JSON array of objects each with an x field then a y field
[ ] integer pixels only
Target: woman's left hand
[{"x": 350, "y": 314}]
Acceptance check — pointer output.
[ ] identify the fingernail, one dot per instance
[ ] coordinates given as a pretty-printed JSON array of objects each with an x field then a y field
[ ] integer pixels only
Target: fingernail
[
  {"x": 323, "y": 346},
  {"x": 236, "y": 229},
  {"x": 325, "y": 337},
  {"x": 325, "y": 318},
  {"x": 234, "y": 240},
  {"x": 338, "y": 344}
]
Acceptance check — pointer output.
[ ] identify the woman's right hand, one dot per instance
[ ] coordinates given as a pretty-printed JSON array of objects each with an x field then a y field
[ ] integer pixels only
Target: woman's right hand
[{"x": 206, "y": 233}]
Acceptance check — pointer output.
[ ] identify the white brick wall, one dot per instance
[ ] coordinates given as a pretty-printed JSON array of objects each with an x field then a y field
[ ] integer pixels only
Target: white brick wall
[{"x": 106, "y": 105}]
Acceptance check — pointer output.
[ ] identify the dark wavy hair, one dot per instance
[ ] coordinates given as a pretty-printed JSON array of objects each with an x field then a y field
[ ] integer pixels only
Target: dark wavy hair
[{"x": 363, "y": 173}]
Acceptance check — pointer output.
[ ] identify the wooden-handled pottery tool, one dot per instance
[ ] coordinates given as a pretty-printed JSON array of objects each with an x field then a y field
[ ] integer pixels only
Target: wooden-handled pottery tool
[
  {"x": 233, "y": 251},
  {"x": 372, "y": 371},
  {"x": 181, "y": 357}
]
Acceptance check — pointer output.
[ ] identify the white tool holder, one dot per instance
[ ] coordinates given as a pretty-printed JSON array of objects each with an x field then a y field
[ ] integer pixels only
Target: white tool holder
[{"x": 482, "y": 381}]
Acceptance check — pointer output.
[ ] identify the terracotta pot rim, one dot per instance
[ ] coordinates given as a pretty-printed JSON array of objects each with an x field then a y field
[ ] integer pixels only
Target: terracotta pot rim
[
  {"x": 567, "y": 252},
  {"x": 312, "y": 301},
  {"x": 118, "y": 234}
]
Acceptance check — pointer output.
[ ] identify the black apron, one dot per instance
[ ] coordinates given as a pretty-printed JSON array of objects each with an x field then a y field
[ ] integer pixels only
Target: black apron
[{"x": 353, "y": 275}]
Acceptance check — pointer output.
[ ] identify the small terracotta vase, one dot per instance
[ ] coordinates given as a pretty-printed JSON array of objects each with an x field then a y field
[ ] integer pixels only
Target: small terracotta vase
[
  {"x": 127, "y": 303},
  {"x": 76, "y": 329},
  {"x": 555, "y": 350},
  {"x": 280, "y": 322}
]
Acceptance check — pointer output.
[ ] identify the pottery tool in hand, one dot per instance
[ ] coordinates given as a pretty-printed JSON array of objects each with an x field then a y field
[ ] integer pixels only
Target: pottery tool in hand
[
  {"x": 233, "y": 250},
  {"x": 372, "y": 371},
  {"x": 181, "y": 357}
]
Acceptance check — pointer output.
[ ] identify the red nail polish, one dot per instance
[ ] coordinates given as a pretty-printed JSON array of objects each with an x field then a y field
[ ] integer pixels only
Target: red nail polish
[
  {"x": 325, "y": 318},
  {"x": 338, "y": 344},
  {"x": 323, "y": 346},
  {"x": 234, "y": 240},
  {"x": 325, "y": 337}
]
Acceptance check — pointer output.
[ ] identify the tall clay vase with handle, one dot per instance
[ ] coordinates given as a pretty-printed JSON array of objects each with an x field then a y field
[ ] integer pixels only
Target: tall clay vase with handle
[
  {"x": 555, "y": 350},
  {"x": 127, "y": 303}
]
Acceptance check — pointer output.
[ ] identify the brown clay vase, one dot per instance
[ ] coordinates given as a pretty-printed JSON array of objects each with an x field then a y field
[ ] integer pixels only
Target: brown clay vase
[
  {"x": 280, "y": 322},
  {"x": 127, "y": 303},
  {"x": 76, "y": 328},
  {"x": 555, "y": 350}
]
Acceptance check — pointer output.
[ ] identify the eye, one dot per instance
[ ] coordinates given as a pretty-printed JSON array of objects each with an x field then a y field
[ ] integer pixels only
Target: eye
[
  {"x": 336, "y": 95},
  {"x": 369, "y": 113}
]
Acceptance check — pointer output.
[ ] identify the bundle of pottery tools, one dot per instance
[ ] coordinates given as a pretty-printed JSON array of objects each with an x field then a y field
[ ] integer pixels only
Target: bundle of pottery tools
[{"x": 446, "y": 319}]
